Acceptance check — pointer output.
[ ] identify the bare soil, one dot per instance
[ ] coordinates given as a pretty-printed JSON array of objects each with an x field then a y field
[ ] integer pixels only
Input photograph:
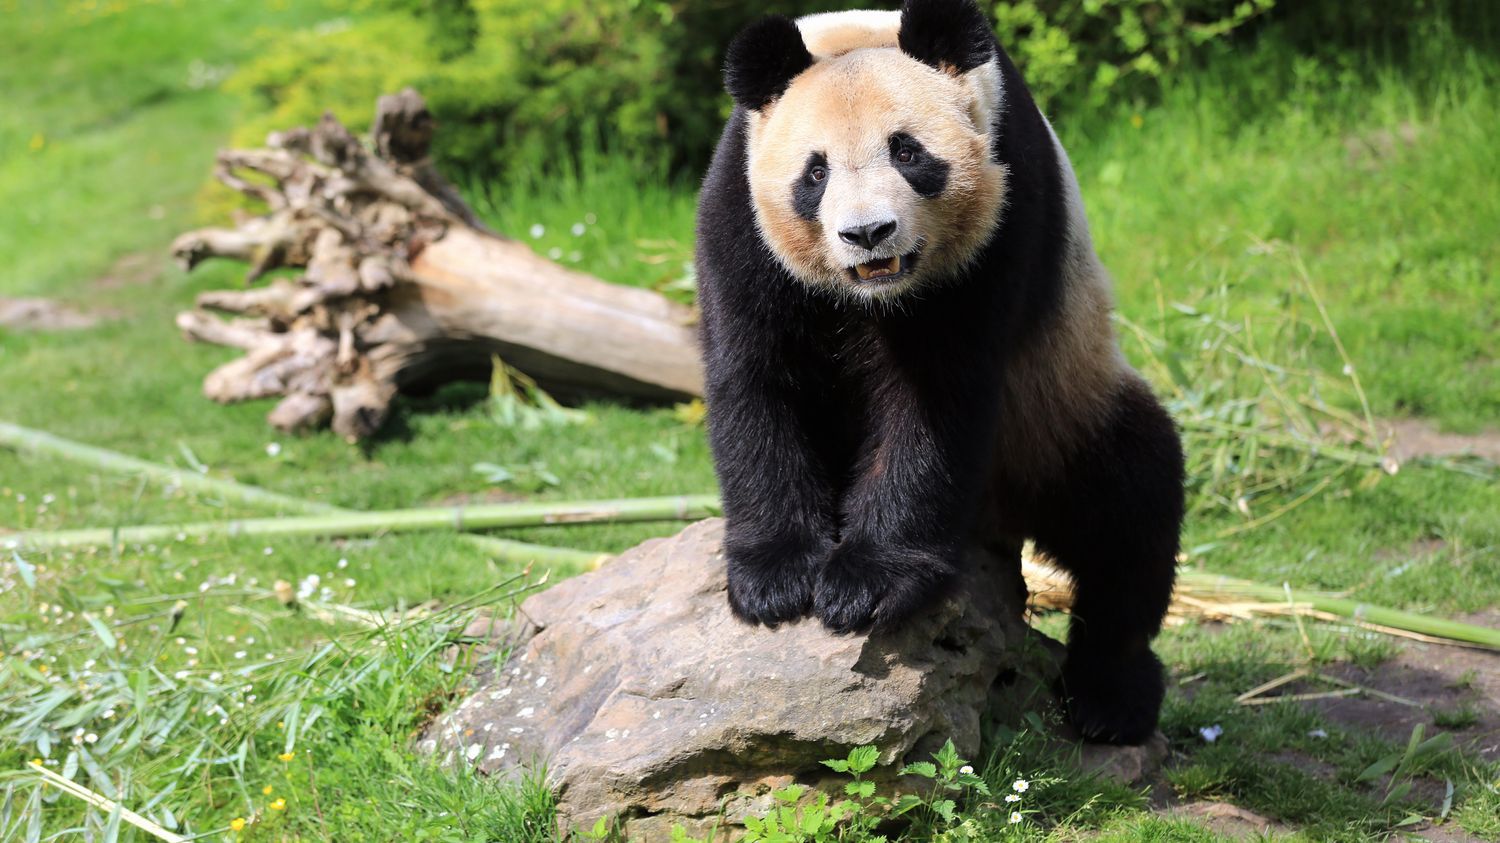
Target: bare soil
[
  {"x": 1417, "y": 438},
  {"x": 37, "y": 314}
]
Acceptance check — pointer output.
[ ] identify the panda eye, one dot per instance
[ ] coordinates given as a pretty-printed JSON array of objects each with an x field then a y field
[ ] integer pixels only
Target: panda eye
[
  {"x": 905, "y": 155},
  {"x": 817, "y": 173}
]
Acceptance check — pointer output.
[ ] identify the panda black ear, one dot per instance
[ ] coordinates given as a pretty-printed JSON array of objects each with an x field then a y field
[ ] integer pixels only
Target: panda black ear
[
  {"x": 763, "y": 59},
  {"x": 951, "y": 35}
]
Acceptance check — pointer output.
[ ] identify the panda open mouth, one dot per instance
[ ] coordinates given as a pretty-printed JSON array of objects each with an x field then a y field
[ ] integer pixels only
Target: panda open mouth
[{"x": 884, "y": 270}]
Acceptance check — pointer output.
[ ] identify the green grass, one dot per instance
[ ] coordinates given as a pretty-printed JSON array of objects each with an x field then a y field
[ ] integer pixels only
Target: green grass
[{"x": 1241, "y": 183}]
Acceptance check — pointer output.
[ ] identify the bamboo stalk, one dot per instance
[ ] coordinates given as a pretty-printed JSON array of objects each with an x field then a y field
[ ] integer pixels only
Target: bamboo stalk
[
  {"x": 456, "y": 518},
  {"x": 40, "y": 442},
  {"x": 1353, "y": 610},
  {"x": 36, "y": 441}
]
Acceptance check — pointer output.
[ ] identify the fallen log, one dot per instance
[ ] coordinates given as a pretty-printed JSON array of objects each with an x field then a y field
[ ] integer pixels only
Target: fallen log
[{"x": 403, "y": 289}]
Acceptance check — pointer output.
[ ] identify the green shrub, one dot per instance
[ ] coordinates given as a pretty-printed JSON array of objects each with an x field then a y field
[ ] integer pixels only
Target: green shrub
[
  {"x": 520, "y": 84},
  {"x": 1088, "y": 51}
]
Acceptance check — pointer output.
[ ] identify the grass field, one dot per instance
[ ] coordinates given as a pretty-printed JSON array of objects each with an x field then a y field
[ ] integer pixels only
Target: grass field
[{"x": 1254, "y": 179}]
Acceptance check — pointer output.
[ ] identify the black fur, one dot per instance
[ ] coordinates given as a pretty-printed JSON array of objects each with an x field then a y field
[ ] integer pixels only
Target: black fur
[
  {"x": 926, "y": 173},
  {"x": 855, "y": 447},
  {"x": 807, "y": 192},
  {"x": 950, "y": 35},
  {"x": 763, "y": 60}
]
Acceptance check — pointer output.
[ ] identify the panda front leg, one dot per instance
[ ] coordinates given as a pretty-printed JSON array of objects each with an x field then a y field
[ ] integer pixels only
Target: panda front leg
[
  {"x": 908, "y": 512},
  {"x": 1114, "y": 526},
  {"x": 778, "y": 503}
]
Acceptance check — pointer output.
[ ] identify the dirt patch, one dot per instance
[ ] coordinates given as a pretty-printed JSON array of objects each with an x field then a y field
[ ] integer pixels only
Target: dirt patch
[
  {"x": 1417, "y": 438},
  {"x": 131, "y": 271},
  {"x": 1447, "y": 689},
  {"x": 1228, "y": 820},
  {"x": 45, "y": 315}
]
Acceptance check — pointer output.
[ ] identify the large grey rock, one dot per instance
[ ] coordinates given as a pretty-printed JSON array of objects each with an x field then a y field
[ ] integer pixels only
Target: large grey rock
[{"x": 648, "y": 702}]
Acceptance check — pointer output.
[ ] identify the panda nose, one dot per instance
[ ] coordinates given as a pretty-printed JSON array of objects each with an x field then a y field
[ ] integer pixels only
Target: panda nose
[{"x": 868, "y": 236}]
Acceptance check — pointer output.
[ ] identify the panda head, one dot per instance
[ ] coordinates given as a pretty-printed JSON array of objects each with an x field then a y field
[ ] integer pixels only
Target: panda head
[{"x": 869, "y": 143}]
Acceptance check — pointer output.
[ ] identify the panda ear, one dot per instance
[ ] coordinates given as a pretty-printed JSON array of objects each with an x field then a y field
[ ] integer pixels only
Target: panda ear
[
  {"x": 951, "y": 35},
  {"x": 763, "y": 59}
]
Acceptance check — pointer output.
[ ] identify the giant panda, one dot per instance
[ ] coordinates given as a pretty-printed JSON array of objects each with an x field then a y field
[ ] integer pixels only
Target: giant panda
[{"x": 909, "y": 350}]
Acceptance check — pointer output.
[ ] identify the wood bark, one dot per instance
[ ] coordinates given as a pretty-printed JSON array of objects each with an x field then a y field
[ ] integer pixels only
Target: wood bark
[{"x": 402, "y": 288}]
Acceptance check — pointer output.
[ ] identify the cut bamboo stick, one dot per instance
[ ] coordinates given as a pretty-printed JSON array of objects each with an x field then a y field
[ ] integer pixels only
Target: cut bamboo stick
[
  {"x": 454, "y": 518},
  {"x": 36, "y": 441},
  {"x": 1207, "y": 584},
  {"x": 78, "y": 791}
]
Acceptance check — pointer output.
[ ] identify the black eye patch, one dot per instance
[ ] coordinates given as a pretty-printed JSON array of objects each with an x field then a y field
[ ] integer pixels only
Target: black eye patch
[
  {"x": 807, "y": 190},
  {"x": 926, "y": 173}
]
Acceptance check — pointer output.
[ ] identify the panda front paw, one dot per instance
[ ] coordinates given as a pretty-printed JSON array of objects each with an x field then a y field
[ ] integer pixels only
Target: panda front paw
[
  {"x": 771, "y": 582},
  {"x": 865, "y": 586},
  {"x": 1114, "y": 698}
]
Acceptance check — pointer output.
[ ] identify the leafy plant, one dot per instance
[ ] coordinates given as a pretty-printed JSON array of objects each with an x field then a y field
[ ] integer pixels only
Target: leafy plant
[
  {"x": 934, "y": 815},
  {"x": 517, "y": 401}
]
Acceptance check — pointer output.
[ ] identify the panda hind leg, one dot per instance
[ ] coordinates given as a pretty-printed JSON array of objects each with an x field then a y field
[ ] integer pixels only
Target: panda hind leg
[{"x": 1113, "y": 524}]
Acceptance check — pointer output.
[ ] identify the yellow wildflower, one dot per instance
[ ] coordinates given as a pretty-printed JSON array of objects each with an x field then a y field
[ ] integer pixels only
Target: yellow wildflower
[
  {"x": 1137, "y": 121},
  {"x": 267, "y": 790},
  {"x": 278, "y": 805},
  {"x": 38, "y": 141},
  {"x": 287, "y": 756},
  {"x": 238, "y": 823}
]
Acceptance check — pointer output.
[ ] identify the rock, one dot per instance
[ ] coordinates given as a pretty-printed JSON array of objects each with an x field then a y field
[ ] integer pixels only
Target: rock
[
  {"x": 649, "y": 703},
  {"x": 1125, "y": 764}
]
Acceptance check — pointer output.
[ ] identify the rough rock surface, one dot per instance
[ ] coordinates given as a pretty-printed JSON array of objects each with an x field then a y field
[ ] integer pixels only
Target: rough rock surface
[{"x": 648, "y": 702}]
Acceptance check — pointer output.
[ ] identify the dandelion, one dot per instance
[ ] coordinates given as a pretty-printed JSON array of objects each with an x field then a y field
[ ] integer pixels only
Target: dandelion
[
  {"x": 278, "y": 805},
  {"x": 237, "y": 824},
  {"x": 1015, "y": 817},
  {"x": 267, "y": 790},
  {"x": 286, "y": 756},
  {"x": 1020, "y": 785}
]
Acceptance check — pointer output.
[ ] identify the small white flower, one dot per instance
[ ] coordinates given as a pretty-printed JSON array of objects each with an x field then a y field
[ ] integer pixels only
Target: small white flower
[
  {"x": 590, "y": 218},
  {"x": 1211, "y": 733},
  {"x": 1015, "y": 817},
  {"x": 273, "y": 449},
  {"x": 1012, "y": 797},
  {"x": 555, "y": 253},
  {"x": 268, "y": 551},
  {"x": 181, "y": 674},
  {"x": 240, "y": 654},
  {"x": 578, "y": 229},
  {"x": 348, "y": 582},
  {"x": 90, "y": 738},
  {"x": 537, "y": 231},
  {"x": 1318, "y": 733},
  {"x": 966, "y": 770},
  {"x": 1020, "y": 785},
  {"x": 343, "y": 563}
]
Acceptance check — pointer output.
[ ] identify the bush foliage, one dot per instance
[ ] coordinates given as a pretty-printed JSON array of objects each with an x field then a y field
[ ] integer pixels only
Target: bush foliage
[{"x": 519, "y": 83}]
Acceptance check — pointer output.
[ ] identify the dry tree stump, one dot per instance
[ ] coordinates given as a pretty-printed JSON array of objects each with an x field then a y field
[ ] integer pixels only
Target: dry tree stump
[{"x": 402, "y": 288}]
